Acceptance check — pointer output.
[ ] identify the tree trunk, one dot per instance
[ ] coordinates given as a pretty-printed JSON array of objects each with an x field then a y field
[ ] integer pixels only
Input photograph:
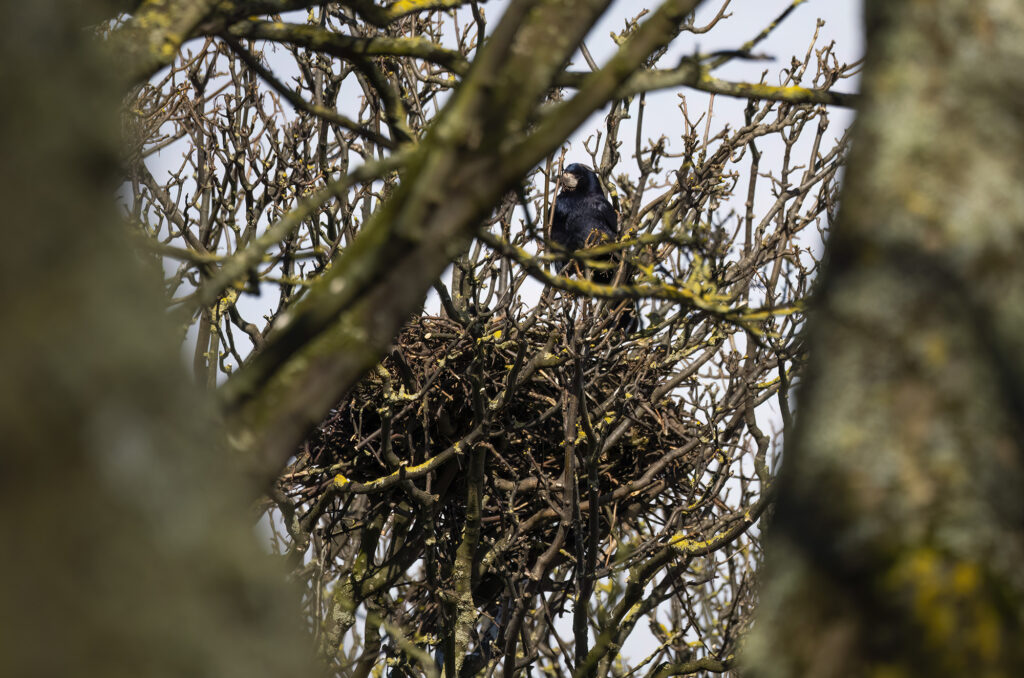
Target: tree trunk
[
  {"x": 896, "y": 548},
  {"x": 126, "y": 549}
]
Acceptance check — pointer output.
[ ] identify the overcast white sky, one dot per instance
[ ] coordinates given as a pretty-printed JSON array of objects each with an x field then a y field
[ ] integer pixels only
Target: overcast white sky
[{"x": 746, "y": 19}]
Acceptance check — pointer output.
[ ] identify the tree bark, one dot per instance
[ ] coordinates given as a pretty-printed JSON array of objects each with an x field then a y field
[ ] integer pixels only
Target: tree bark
[
  {"x": 896, "y": 548},
  {"x": 126, "y": 547}
]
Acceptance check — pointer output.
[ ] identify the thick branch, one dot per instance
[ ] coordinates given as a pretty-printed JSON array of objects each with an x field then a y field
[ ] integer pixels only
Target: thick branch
[
  {"x": 154, "y": 35},
  {"x": 711, "y": 303},
  {"x": 687, "y": 668},
  {"x": 347, "y": 46},
  {"x": 695, "y": 76},
  {"x": 382, "y": 16}
]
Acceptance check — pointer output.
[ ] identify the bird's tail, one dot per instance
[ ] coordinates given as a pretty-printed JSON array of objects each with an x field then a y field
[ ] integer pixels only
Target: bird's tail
[{"x": 627, "y": 315}]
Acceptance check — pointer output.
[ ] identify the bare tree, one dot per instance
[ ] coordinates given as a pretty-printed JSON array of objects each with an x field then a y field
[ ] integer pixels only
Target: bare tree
[{"x": 518, "y": 483}]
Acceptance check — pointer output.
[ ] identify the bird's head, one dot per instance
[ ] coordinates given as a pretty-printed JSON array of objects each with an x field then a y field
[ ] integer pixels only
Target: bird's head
[{"x": 577, "y": 176}]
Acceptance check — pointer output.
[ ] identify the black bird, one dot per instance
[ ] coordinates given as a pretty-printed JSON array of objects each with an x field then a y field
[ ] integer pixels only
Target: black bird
[{"x": 584, "y": 218}]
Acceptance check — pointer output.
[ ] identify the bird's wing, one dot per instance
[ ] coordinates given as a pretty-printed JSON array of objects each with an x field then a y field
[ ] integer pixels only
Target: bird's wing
[{"x": 605, "y": 216}]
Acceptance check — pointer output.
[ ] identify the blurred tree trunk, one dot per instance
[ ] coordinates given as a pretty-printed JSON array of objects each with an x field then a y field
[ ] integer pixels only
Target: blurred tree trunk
[
  {"x": 897, "y": 545},
  {"x": 126, "y": 551}
]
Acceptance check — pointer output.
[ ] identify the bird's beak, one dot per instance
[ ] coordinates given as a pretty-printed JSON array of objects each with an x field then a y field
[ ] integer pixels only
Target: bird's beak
[{"x": 569, "y": 180}]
